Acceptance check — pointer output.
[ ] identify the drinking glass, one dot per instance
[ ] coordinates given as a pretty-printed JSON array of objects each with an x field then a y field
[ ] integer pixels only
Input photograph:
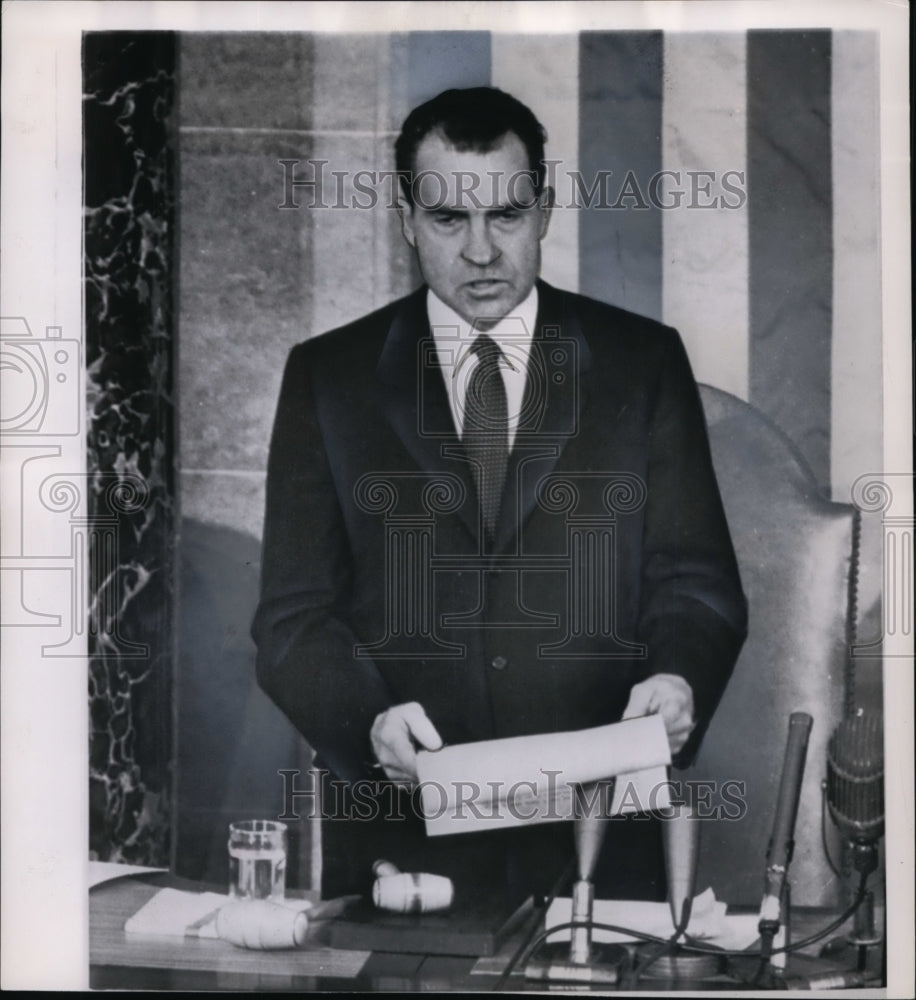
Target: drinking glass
[{"x": 257, "y": 859}]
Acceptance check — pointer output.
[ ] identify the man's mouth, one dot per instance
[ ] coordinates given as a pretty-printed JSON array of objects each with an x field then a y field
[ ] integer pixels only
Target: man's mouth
[{"x": 484, "y": 284}]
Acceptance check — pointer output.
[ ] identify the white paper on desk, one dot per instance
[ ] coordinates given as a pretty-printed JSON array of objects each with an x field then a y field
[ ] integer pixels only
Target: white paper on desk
[
  {"x": 531, "y": 779},
  {"x": 709, "y": 921},
  {"x": 176, "y": 913},
  {"x": 107, "y": 871}
]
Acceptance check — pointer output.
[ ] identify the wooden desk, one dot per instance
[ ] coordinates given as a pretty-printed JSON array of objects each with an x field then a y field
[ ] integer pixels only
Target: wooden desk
[{"x": 119, "y": 961}]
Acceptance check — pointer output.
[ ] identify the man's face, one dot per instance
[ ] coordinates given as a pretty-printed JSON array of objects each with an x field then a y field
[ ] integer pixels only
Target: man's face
[{"x": 476, "y": 225}]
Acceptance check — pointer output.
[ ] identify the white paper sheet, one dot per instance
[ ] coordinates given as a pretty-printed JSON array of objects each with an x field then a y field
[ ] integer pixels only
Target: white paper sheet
[
  {"x": 106, "y": 871},
  {"x": 177, "y": 913},
  {"x": 709, "y": 921},
  {"x": 531, "y": 779}
]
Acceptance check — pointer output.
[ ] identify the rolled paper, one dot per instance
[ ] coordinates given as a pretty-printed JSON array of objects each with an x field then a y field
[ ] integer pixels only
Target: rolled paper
[
  {"x": 497, "y": 784},
  {"x": 261, "y": 925},
  {"x": 414, "y": 892}
]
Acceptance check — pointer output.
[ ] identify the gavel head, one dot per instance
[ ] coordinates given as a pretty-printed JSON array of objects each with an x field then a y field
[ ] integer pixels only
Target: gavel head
[{"x": 413, "y": 892}]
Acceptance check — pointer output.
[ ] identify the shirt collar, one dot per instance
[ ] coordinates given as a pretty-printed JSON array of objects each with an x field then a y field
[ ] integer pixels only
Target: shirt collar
[{"x": 517, "y": 327}]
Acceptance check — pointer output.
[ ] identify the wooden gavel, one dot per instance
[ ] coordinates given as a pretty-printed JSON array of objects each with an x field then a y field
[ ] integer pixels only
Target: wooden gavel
[
  {"x": 410, "y": 892},
  {"x": 267, "y": 926}
]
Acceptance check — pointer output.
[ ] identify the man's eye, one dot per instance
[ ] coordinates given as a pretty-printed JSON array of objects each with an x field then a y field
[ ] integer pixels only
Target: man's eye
[
  {"x": 509, "y": 214},
  {"x": 446, "y": 219}
]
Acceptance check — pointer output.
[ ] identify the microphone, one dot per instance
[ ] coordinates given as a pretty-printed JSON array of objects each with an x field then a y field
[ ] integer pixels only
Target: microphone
[
  {"x": 589, "y": 833},
  {"x": 584, "y": 961},
  {"x": 779, "y": 854},
  {"x": 681, "y": 840},
  {"x": 779, "y": 851},
  {"x": 855, "y": 780},
  {"x": 855, "y": 800}
]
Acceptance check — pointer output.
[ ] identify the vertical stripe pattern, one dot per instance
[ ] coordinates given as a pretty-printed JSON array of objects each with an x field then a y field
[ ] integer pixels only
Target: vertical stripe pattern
[
  {"x": 345, "y": 92},
  {"x": 620, "y": 124},
  {"x": 543, "y": 72},
  {"x": 856, "y": 419},
  {"x": 704, "y": 141},
  {"x": 439, "y": 60},
  {"x": 791, "y": 215}
]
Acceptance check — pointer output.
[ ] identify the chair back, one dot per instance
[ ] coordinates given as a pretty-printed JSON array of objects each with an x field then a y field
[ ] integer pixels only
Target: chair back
[{"x": 797, "y": 553}]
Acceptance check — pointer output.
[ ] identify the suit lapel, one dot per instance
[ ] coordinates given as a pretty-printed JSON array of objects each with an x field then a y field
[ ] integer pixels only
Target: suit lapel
[
  {"x": 555, "y": 396},
  {"x": 411, "y": 394}
]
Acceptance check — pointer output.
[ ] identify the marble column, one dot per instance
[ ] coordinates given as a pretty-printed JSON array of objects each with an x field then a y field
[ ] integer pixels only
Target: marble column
[{"x": 129, "y": 87}]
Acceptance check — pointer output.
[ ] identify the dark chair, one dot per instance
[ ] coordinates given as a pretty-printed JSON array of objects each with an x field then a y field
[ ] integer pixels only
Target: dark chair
[{"x": 798, "y": 558}]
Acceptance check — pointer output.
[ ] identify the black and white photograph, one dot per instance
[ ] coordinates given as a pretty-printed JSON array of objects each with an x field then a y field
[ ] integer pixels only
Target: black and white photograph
[{"x": 457, "y": 493}]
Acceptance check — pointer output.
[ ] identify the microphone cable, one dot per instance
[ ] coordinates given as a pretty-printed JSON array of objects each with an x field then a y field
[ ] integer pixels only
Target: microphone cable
[
  {"x": 667, "y": 948},
  {"x": 527, "y": 947},
  {"x": 689, "y": 944}
]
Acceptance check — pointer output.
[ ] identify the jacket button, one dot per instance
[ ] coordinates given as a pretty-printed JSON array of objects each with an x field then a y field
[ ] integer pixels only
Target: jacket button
[{"x": 498, "y": 662}]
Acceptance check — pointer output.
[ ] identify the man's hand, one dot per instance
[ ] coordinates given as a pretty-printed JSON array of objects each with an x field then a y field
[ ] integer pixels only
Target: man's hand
[
  {"x": 670, "y": 696},
  {"x": 395, "y": 735}
]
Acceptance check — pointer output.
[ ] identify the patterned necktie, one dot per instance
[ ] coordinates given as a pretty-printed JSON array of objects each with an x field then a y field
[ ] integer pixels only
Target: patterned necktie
[{"x": 486, "y": 430}]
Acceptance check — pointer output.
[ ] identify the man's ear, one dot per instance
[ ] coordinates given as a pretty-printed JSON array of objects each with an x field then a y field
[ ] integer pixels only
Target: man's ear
[
  {"x": 545, "y": 203},
  {"x": 405, "y": 212}
]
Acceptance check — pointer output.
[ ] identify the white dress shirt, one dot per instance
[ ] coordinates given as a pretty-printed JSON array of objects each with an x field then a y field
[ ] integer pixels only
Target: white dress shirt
[{"x": 453, "y": 337}]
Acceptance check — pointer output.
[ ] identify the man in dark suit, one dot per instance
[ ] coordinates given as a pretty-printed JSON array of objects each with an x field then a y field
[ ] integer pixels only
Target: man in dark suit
[{"x": 491, "y": 512}]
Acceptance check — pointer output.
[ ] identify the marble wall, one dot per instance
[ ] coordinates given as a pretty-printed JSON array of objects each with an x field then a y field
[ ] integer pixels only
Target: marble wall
[
  {"x": 255, "y": 278},
  {"x": 129, "y": 90}
]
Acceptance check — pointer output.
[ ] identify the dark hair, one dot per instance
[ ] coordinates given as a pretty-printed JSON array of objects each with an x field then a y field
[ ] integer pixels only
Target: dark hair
[{"x": 475, "y": 119}]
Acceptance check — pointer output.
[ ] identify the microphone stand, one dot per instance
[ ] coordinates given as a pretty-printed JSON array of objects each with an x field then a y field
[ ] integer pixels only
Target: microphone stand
[
  {"x": 864, "y": 934},
  {"x": 585, "y": 961},
  {"x": 681, "y": 841},
  {"x": 775, "y": 908},
  {"x": 855, "y": 800}
]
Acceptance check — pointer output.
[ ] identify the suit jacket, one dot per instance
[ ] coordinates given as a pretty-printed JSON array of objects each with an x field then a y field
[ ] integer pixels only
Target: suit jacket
[{"x": 612, "y": 558}]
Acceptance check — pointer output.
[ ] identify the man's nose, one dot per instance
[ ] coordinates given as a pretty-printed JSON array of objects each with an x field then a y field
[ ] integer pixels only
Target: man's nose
[{"x": 479, "y": 247}]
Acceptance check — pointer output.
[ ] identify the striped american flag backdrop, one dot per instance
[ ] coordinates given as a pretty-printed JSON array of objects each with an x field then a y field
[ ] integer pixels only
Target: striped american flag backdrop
[{"x": 776, "y": 290}]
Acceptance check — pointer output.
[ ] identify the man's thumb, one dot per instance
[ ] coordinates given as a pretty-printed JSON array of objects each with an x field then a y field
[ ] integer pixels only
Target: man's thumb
[
  {"x": 638, "y": 705},
  {"x": 422, "y": 730}
]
